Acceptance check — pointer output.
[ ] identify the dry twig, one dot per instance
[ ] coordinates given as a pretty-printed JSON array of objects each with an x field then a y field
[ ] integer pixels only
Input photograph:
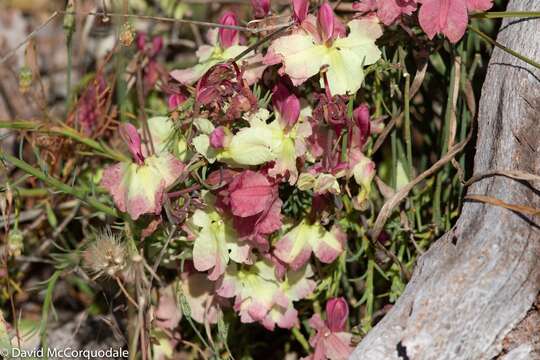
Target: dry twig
[
  {"x": 389, "y": 205},
  {"x": 522, "y": 209}
]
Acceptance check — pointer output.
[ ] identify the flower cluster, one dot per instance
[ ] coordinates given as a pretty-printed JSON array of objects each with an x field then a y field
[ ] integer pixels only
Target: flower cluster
[
  {"x": 238, "y": 158},
  {"x": 448, "y": 17}
]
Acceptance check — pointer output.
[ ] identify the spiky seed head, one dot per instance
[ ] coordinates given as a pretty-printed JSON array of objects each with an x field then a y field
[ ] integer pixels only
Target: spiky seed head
[{"x": 106, "y": 255}]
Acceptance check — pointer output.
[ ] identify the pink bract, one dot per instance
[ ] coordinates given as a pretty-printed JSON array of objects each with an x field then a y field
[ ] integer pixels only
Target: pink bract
[
  {"x": 175, "y": 100},
  {"x": 331, "y": 340},
  {"x": 251, "y": 193},
  {"x": 256, "y": 228},
  {"x": 325, "y": 20},
  {"x": 479, "y": 5},
  {"x": 448, "y": 17},
  {"x": 337, "y": 313},
  {"x": 217, "y": 138},
  {"x": 143, "y": 195},
  {"x": 261, "y": 8},
  {"x": 228, "y": 37},
  {"x": 254, "y": 205},
  {"x": 286, "y": 103},
  {"x": 388, "y": 11},
  {"x": 129, "y": 133},
  {"x": 362, "y": 128},
  {"x": 300, "y": 10}
]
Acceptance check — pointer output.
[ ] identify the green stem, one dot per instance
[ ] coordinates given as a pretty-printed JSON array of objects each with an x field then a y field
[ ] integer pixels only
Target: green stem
[
  {"x": 504, "y": 48},
  {"x": 67, "y": 132},
  {"x": 437, "y": 215},
  {"x": 57, "y": 184},
  {"x": 506, "y": 14},
  {"x": 69, "y": 66},
  {"x": 69, "y": 28},
  {"x": 47, "y": 306},
  {"x": 32, "y": 192},
  {"x": 407, "y": 118},
  {"x": 369, "y": 296},
  {"x": 393, "y": 142},
  {"x": 301, "y": 339}
]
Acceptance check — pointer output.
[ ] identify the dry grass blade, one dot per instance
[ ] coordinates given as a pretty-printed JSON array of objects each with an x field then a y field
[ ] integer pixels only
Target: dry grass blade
[
  {"x": 30, "y": 36},
  {"x": 512, "y": 174},
  {"x": 173, "y": 20},
  {"x": 469, "y": 97},
  {"x": 418, "y": 78},
  {"x": 384, "y": 189},
  {"x": 522, "y": 209},
  {"x": 455, "y": 96},
  {"x": 389, "y": 205}
]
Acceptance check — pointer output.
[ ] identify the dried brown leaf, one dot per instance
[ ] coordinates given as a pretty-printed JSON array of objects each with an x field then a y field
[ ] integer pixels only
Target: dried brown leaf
[
  {"x": 512, "y": 174},
  {"x": 522, "y": 209}
]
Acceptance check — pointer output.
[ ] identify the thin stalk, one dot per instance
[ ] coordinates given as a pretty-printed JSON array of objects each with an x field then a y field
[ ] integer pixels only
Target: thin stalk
[
  {"x": 57, "y": 184},
  {"x": 186, "y": 311},
  {"x": 120, "y": 64},
  {"x": 173, "y": 20},
  {"x": 47, "y": 305},
  {"x": 301, "y": 339},
  {"x": 142, "y": 115},
  {"x": 369, "y": 296},
  {"x": 66, "y": 131},
  {"x": 28, "y": 37},
  {"x": 393, "y": 142},
  {"x": 134, "y": 327},
  {"x": 268, "y": 37},
  {"x": 31, "y": 192},
  {"x": 506, "y": 14},
  {"x": 69, "y": 28},
  {"x": 126, "y": 293},
  {"x": 504, "y": 48},
  {"x": 444, "y": 143},
  {"x": 69, "y": 66},
  {"x": 407, "y": 118},
  {"x": 198, "y": 333}
]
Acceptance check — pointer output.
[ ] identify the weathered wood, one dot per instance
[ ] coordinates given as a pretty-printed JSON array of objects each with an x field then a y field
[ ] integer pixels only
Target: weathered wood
[
  {"x": 478, "y": 281},
  {"x": 524, "y": 339}
]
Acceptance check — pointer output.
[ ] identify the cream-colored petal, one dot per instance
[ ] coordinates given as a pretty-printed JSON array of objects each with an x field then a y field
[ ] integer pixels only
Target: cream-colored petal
[{"x": 302, "y": 57}]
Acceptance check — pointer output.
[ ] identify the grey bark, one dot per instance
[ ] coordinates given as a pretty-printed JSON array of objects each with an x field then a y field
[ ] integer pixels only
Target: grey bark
[{"x": 478, "y": 281}]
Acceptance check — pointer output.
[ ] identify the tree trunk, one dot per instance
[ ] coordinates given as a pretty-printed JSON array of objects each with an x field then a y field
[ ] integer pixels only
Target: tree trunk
[{"x": 479, "y": 280}]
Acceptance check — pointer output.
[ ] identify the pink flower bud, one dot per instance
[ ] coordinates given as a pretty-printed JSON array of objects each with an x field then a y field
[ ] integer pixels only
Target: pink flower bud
[
  {"x": 300, "y": 10},
  {"x": 140, "y": 41},
  {"x": 151, "y": 74},
  {"x": 175, "y": 100},
  {"x": 362, "y": 120},
  {"x": 157, "y": 45},
  {"x": 217, "y": 138},
  {"x": 286, "y": 103},
  {"x": 228, "y": 37},
  {"x": 325, "y": 19},
  {"x": 337, "y": 313},
  {"x": 261, "y": 8},
  {"x": 129, "y": 133}
]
